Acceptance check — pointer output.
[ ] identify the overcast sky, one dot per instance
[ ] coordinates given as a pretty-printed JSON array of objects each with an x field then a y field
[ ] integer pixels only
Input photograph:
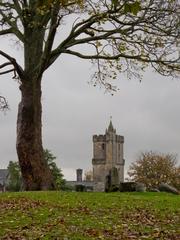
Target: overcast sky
[{"x": 147, "y": 114}]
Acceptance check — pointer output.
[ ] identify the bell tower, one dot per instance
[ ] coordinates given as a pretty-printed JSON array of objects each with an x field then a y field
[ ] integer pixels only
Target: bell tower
[{"x": 107, "y": 154}]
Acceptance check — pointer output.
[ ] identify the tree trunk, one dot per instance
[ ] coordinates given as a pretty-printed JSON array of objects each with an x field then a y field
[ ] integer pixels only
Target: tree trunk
[{"x": 35, "y": 171}]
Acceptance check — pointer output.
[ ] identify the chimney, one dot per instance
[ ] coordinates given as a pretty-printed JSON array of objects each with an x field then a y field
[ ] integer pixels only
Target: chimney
[{"x": 79, "y": 172}]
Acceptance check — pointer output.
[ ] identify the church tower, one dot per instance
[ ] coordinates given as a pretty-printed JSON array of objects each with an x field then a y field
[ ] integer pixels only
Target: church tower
[{"x": 107, "y": 154}]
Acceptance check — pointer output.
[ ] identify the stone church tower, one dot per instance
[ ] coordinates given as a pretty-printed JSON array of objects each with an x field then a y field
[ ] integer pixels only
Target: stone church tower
[{"x": 107, "y": 154}]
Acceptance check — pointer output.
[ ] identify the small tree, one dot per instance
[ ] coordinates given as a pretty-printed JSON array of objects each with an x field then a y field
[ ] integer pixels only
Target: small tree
[
  {"x": 88, "y": 176},
  {"x": 153, "y": 168},
  {"x": 14, "y": 177},
  {"x": 56, "y": 172}
]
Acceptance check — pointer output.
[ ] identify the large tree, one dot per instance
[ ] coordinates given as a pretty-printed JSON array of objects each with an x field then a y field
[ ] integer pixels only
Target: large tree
[{"x": 117, "y": 36}]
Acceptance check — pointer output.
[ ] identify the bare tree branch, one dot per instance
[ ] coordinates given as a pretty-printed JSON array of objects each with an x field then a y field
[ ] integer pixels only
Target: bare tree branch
[
  {"x": 54, "y": 23},
  {"x": 5, "y": 64},
  {"x": 3, "y": 104},
  {"x": 9, "y": 19},
  {"x": 12, "y": 61},
  {"x": 134, "y": 37},
  {"x": 6, "y": 31},
  {"x": 7, "y": 71}
]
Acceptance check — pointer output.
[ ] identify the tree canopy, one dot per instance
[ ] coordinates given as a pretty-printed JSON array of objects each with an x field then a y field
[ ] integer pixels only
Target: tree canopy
[
  {"x": 88, "y": 176},
  {"x": 123, "y": 36},
  {"x": 153, "y": 168}
]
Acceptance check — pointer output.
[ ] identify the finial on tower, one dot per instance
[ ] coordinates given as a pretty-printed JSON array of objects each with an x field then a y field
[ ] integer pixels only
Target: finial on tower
[{"x": 110, "y": 128}]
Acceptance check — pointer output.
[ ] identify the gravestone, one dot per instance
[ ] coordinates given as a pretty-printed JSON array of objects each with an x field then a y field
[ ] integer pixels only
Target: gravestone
[
  {"x": 108, "y": 183},
  {"x": 140, "y": 187},
  {"x": 112, "y": 180},
  {"x": 154, "y": 190},
  {"x": 114, "y": 176},
  {"x": 164, "y": 187}
]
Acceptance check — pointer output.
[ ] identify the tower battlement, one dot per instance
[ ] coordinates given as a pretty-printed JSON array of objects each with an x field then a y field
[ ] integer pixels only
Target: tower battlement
[
  {"x": 120, "y": 138},
  {"x": 99, "y": 138}
]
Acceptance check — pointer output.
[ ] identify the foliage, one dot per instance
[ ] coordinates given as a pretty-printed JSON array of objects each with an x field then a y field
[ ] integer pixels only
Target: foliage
[
  {"x": 14, "y": 177},
  {"x": 56, "y": 172},
  {"x": 124, "y": 36},
  {"x": 89, "y": 216},
  {"x": 153, "y": 168}
]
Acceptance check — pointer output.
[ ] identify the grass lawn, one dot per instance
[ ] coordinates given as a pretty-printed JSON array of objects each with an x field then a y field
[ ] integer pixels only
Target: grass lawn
[{"x": 72, "y": 215}]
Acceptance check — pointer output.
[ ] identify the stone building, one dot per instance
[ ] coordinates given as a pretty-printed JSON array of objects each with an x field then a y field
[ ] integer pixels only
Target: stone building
[{"x": 107, "y": 154}]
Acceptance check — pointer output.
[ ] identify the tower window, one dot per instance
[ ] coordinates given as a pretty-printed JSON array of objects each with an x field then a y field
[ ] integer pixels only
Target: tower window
[{"x": 103, "y": 146}]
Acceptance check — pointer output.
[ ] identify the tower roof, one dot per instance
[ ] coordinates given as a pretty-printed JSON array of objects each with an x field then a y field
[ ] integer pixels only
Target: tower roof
[{"x": 111, "y": 128}]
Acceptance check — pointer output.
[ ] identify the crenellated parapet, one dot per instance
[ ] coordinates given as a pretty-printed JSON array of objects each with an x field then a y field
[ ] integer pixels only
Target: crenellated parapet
[
  {"x": 119, "y": 139},
  {"x": 99, "y": 138}
]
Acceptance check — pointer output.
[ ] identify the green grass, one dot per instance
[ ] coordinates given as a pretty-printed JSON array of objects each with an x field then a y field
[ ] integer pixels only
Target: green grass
[{"x": 72, "y": 215}]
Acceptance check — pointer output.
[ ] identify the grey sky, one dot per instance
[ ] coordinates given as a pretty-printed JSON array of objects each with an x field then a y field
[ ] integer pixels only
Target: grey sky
[{"x": 147, "y": 114}]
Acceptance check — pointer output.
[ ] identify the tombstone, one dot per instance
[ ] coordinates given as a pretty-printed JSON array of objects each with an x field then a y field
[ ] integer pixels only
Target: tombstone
[
  {"x": 112, "y": 181},
  {"x": 108, "y": 183},
  {"x": 140, "y": 187},
  {"x": 114, "y": 176},
  {"x": 154, "y": 190},
  {"x": 164, "y": 187}
]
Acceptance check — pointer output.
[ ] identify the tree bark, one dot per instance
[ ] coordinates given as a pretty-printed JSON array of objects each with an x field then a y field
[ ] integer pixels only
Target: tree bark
[{"x": 35, "y": 171}]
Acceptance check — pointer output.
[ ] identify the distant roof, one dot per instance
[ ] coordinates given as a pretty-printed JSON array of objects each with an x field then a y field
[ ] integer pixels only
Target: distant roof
[
  {"x": 3, "y": 175},
  {"x": 85, "y": 183}
]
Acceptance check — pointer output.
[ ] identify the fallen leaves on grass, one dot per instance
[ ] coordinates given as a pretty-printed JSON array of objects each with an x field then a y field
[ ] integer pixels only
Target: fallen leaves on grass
[
  {"x": 19, "y": 204},
  {"x": 82, "y": 221}
]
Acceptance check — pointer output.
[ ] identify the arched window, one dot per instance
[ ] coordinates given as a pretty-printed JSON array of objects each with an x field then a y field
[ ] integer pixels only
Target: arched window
[{"x": 103, "y": 146}]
